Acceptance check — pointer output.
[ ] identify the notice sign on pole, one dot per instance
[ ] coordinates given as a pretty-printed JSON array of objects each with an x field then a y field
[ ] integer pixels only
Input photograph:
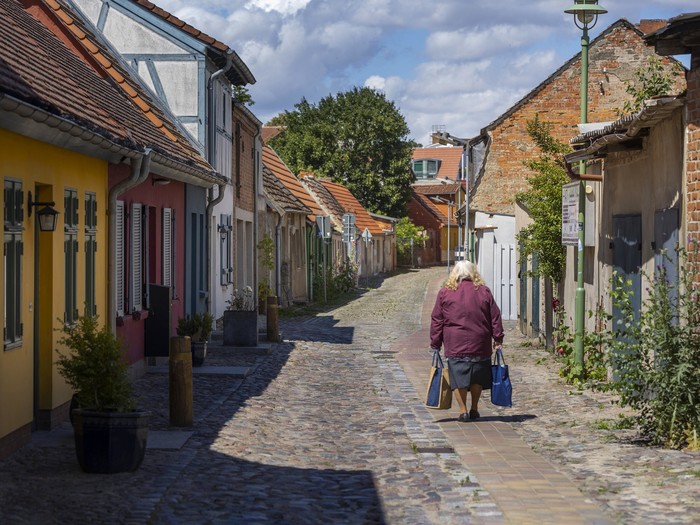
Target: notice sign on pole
[{"x": 569, "y": 214}]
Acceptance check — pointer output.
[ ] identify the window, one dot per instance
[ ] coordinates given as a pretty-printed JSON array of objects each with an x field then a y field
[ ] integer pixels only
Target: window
[
  {"x": 70, "y": 251},
  {"x": 136, "y": 289},
  {"x": 225, "y": 256},
  {"x": 90, "y": 252},
  {"x": 167, "y": 247},
  {"x": 14, "y": 217},
  {"x": 426, "y": 168}
]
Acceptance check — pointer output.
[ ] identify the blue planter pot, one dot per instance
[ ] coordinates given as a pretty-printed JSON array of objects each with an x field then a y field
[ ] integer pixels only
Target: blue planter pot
[{"x": 240, "y": 328}]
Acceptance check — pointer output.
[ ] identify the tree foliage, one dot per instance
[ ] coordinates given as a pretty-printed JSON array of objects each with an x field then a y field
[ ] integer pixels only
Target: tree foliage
[
  {"x": 543, "y": 202},
  {"x": 408, "y": 235},
  {"x": 358, "y": 139},
  {"x": 652, "y": 80}
]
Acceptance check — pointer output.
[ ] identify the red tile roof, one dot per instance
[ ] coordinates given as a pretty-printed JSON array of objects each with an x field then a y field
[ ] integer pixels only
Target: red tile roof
[
  {"x": 350, "y": 204},
  {"x": 450, "y": 156},
  {"x": 436, "y": 210},
  {"x": 325, "y": 202},
  {"x": 270, "y": 132},
  {"x": 50, "y": 60},
  {"x": 281, "y": 197},
  {"x": 437, "y": 189},
  {"x": 279, "y": 169},
  {"x": 241, "y": 74}
]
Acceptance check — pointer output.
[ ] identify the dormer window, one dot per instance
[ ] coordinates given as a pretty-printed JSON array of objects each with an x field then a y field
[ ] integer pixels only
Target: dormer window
[{"x": 426, "y": 168}]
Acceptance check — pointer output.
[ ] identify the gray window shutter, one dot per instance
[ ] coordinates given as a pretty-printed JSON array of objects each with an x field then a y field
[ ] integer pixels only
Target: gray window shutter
[
  {"x": 119, "y": 263},
  {"x": 136, "y": 257},
  {"x": 167, "y": 247}
]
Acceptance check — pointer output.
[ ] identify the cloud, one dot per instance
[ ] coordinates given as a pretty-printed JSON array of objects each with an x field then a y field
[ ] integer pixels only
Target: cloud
[
  {"x": 465, "y": 44},
  {"x": 450, "y": 62},
  {"x": 284, "y": 7}
]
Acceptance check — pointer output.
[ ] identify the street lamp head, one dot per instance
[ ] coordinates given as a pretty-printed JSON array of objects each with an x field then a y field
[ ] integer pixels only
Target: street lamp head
[{"x": 586, "y": 13}]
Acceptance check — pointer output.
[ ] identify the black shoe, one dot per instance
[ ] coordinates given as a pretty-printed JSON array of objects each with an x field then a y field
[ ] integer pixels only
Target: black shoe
[
  {"x": 473, "y": 414},
  {"x": 463, "y": 418}
]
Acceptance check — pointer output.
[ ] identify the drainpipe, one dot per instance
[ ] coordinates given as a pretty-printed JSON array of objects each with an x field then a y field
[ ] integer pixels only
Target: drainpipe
[
  {"x": 140, "y": 168},
  {"x": 212, "y": 201},
  {"x": 211, "y": 157}
]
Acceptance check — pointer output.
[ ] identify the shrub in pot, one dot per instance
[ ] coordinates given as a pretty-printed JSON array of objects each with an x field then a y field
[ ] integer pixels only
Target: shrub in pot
[
  {"x": 110, "y": 434},
  {"x": 198, "y": 328},
  {"x": 241, "y": 319}
]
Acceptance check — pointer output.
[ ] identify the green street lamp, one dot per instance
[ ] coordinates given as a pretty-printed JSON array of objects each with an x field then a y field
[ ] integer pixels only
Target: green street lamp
[{"x": 585, "y": 17}]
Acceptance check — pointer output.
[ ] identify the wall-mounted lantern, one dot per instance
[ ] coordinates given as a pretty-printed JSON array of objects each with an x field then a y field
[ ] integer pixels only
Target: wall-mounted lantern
[{"x": 47, "y": 215}]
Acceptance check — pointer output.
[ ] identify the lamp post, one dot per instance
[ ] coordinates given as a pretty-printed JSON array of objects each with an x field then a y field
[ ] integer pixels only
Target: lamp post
[{"x": 585, "y": 17}]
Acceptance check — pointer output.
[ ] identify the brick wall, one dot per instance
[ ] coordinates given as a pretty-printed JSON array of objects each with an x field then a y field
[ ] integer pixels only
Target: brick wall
[
  {"x": 693, "y": 167},
  {"x": 612, "y": 60},
  {"x": 243, "y": 158}
]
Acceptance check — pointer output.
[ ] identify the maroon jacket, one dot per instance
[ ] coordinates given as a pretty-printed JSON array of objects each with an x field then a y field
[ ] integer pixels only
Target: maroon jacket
[{"x": 466, "y": 321}]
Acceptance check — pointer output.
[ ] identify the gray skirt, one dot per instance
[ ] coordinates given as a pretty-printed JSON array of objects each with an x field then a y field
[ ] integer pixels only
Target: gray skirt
[{"x": 464, "y": 373}]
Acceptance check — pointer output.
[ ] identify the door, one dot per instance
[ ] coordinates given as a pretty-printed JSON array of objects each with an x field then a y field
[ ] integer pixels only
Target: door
[
  {"x": 535, "y": 298},
  {"x": 665, "y": 248},
  {"x": 522, "y": 275},
  {"x": 627, "y": 260}
]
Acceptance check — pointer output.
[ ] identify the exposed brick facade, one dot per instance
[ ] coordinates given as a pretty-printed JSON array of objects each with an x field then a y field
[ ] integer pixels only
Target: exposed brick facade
[
  {"x": 614, "y": 56},
  {"x": 243, "y": 176}
]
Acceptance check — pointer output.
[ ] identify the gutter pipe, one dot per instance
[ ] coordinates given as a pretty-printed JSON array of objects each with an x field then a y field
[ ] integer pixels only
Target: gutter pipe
[{"x": 211, "y": 156}]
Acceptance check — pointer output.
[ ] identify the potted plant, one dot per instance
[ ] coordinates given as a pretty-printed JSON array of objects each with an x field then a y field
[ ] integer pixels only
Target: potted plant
[
  {"x": 110, "y": 435},
  {"x": 241, "y": 319},
  {"x": 198, "y": 328}
]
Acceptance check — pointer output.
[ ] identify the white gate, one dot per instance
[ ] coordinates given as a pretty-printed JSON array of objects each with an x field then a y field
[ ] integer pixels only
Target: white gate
[{"x": 496, "y": 263}]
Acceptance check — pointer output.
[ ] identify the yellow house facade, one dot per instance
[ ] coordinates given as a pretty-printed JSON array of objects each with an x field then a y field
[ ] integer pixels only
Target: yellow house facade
[{"x": 49, "y": 276}]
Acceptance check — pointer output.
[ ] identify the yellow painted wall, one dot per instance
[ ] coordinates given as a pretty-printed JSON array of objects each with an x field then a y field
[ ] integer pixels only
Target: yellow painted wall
[{"x": 46, "y": 171}]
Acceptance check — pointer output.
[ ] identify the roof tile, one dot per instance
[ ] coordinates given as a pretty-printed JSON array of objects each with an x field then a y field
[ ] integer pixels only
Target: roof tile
[{"x": 60, "y": 78}]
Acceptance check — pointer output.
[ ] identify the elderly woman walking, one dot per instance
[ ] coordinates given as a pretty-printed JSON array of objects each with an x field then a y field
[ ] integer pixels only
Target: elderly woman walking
[{"x": 467, "y": 321}]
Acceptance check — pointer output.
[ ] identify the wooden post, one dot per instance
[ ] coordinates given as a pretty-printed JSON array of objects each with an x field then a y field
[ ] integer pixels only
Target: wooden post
[
  {"x": 180, "y": 382},
  {"x": 272, "y": 319}
]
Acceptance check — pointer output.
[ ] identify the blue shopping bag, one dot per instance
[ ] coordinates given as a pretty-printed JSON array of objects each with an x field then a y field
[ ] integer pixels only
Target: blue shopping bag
[
  {"x": 439, "y": 394},
  {"x": 501, "y": 388}
]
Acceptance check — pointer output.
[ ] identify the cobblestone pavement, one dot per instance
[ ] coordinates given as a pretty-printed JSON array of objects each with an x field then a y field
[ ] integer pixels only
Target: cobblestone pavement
[
  {"x": 328, "y": 429},
  {"x": 576, "y": 431}
]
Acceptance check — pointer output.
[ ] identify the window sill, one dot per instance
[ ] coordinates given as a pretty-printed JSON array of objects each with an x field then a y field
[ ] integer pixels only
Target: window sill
[{"x": 13, "y": 346}]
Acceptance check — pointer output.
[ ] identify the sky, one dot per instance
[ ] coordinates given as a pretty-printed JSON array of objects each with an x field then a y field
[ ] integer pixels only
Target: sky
[{"x": 452, "y": 65}]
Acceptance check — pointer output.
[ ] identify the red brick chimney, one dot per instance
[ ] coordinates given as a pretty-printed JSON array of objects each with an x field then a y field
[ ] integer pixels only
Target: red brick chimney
[{"x": 649, "y": 26}]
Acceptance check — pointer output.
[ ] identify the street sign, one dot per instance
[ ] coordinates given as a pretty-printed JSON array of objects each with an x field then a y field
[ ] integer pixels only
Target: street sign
[
  {"x": 366, "y": 235},
  {"x": 349, "y": 229},
  {"x": 569, "y": 214}
]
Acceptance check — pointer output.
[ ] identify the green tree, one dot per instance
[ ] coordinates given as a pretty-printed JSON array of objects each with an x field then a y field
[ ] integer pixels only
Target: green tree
[
  {"x": 652, "y": 80},
  {"x": 542, "y": 200},
  {"x": 242, "y": 96},
  {"x": 408, "y": 235},
  {"x": 358, "y": 139}
]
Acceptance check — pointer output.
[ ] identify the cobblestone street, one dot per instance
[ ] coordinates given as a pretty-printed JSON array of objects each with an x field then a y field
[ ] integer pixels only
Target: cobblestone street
[{"x": 330, "y": 428}]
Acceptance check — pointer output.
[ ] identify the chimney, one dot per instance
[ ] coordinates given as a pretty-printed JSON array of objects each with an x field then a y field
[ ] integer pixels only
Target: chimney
[{"x": 651, "y": 25}]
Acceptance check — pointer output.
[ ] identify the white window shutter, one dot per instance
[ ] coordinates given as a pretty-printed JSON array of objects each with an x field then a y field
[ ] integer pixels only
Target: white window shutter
[
  {"x": 119, "y": 263},
  {"x": 136, "y": 257}
]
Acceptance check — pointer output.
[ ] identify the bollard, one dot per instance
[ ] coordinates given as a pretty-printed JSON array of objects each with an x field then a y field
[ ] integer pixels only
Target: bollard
[
  {"x": 180, "y": 382},
  {"x": 272, "y": 319}
]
